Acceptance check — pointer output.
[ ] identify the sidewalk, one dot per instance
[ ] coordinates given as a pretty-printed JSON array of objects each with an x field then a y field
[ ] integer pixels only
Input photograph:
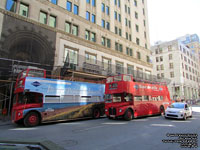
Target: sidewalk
[{"x": 5, "y": 120}]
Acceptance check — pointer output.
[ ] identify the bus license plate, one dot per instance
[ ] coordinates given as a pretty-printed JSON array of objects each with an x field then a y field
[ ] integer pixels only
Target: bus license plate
[{"x": 112, "y": 116}]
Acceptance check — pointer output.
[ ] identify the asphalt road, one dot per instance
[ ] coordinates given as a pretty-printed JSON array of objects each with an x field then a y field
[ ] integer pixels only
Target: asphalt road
[{"x": 104, "y": 134}]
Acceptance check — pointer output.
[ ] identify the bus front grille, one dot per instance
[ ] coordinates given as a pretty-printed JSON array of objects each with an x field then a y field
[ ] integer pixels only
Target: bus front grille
[{"x": 112, "y": 111}]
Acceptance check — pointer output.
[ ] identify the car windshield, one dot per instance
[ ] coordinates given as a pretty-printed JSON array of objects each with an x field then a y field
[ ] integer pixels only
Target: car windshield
[{"x": 177, "y": 105}]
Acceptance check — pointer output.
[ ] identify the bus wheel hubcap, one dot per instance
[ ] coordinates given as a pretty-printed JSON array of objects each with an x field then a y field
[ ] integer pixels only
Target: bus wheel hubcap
[{"x": 32, "y": 119}]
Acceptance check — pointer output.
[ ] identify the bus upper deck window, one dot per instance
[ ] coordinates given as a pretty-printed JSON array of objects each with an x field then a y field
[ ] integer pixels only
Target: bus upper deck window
[
  {"x": 109, "y": 80},
  {"x": 36, "y": 73},
  {"x": 118, "y": 78},
  {"x": 126, "y": 78}
]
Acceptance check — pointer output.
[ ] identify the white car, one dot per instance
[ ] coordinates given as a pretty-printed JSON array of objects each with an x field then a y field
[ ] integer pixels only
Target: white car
[{"x": 179, "y": 111}]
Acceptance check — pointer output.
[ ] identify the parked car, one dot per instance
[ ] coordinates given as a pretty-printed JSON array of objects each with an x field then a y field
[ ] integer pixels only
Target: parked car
[{"x": 178, "y": 110}]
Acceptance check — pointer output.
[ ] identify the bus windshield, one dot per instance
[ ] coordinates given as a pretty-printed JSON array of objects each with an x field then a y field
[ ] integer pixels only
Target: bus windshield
[
  {"x": 29, "y": 98},
  {"x": 117, "y": 98}
]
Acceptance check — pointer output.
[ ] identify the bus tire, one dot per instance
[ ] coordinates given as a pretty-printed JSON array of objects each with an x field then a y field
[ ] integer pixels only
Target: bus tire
[
  {"x": 162, "y": 110},
  {"x": 31, "y": 119},
  {"x": 128, "y": 115},
  {"x": 96, "y": 113}
]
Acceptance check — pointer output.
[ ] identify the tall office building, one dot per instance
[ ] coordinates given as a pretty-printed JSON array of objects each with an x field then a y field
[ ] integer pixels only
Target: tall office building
[
  {"x": 85, "y": 39},
  {"x": 176, "y": 61}
]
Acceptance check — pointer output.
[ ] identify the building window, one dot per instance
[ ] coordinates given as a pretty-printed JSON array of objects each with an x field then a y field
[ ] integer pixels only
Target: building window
[
  {"x": 130, "y": 69},
  {"x": 136, "y": 15},
  {"x": 93, "y": 3},
  {"x": 115, "y": 1},
  {"x": 171, "y": 74},
  {"x": 120, "y": 48},
  {"x": 91, "y": 59},
  {"x": 71, "y": 56},
  {"x": 127, "y": 35},
  {"x": 126, "y": 21},
  {"x": 157, "y": 59},
  {"x": 171, "y": 65},
  {"x": 108, "y": 10},
  {"x": 119, "y": 17},
  {"x": 130, "y": 37},
  {"x": 76, "y": 10},
  {"x": 87, "y": 35},
  {"x": 23, "y": 10},
  {"x": 145, "y": 35},
  {"x": 138, "y": 55},
  {"x": 116, "y": 30},
  {"x": 126, "y": 8},
  {"x": 11, "y": 5},
  {"x": 137, "y": 28},
  {"x": 137, "y": 41},
  {"x": 69, "y": 6},
  {"x": 107, "y": 25},
  {"x": 161, "y": 58},
  {"x": 102, "y": 7},
  {"x": 120, "y": 32},
  {"x": 106, "y": 63},
  {"x": 119, "y": 3},
  {"x": 129, "y": 10},
  {"x": 135, "y": 3},
  {"x": 129, "y": 51},
  {"x": 103, "y": 41},
  {"x": 93, "y": 37},
  {"x": 93, "y": 18},
  {"x": 119, "y": 68},
  {"x": 115, "y": 15},
  {"x": 90, "y": 36},
  {"x": 54, "y": 2},
  {"x": 148, "y": 59},
  {"x": 68, "y": 27},
  {"x": 43, "y": 17},
  {"x": 103, "y": 23},
  {"x": 108, "y": 43},
  {"x": 129, "y": 24},
  {"x": 161, "y": 67},
  {"x": 75, "y": 30},
  {"x": 170, "y": 56},
  {"x": 87, "y": 15},
  {"x": 52, "y": 21},
  {"x": 143, "y": 11}
]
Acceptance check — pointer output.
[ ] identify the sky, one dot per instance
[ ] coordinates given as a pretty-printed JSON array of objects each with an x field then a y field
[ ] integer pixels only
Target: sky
[{"x": 170, "y": 19}]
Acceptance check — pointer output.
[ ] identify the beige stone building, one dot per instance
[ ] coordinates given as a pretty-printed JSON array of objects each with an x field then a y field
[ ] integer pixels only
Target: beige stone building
[
  {"x": 98, "y": 37},
  {"x": 177, "y": 62}
]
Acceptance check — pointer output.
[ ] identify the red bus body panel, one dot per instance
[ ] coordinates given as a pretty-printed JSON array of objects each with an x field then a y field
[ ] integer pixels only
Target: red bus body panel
[{"x": 140, "y": 108}]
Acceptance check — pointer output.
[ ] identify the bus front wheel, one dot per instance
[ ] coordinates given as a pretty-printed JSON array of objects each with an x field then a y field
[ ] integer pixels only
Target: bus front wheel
[
  {"x": 31, "y": 119},
  {"x": 128, "y": 115}
]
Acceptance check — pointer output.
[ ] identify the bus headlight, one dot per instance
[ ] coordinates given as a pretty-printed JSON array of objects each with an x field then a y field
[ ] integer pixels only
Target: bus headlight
[
  {"x": 120, "y": 110},
  {"x": 19, "y": 114},
  {"x": 106, "y": 109}
]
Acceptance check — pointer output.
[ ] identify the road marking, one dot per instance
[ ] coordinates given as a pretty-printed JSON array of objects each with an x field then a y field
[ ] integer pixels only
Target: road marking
[
  {"x": 181, "y": 121},
  {"x": 114, "y": 123},
  {"x": 23, "y": 129},
  {"x": 140, "y": 120},
  {"x": 86, "y": 129},
  {"x": 162, "y": 125}
]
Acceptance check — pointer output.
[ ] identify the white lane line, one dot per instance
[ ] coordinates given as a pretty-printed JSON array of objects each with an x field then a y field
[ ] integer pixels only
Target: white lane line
[
  {"x": 180, "y": 121},
  {"x": 115, "y": 123},
  {"x": 162, "y": 125},
  {"x": 23, "y": 129},
  {"x": 86, "y": 129}
]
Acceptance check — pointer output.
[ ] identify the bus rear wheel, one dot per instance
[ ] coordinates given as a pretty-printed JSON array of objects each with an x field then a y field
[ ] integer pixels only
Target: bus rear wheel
[
  {"x": 96, "y": 113},
  {"x": 31, "y": 119},
  {"x": 128, "y": 115}
]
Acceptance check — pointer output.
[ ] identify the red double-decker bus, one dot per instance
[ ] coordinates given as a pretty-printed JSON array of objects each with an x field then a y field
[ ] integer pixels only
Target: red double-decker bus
[{"x": 129, "y": 99}]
